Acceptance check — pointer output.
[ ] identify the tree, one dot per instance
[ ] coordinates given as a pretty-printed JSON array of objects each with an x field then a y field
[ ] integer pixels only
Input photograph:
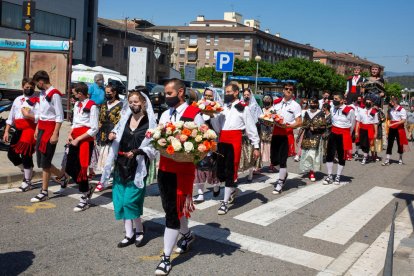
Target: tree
[
  {"x": 393, "y": 89},
  {"x": 209, "y": 74}
]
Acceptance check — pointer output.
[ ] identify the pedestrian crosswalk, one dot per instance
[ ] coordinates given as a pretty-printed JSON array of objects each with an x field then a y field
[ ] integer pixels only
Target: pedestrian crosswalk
[{"x": 337, "y": 227}]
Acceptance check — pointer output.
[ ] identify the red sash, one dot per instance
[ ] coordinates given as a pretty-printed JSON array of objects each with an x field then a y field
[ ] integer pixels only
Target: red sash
[
  {"x": 185, "y": 172},
  {"x": 84, "y": 152},
  {"x": 190, "y": 113},
  {"x": 291, "y": 138},
  {"x": 371, "y": 130},
  {"x": 233, "y": 137},
  {"x": 26, "y": 143},
  {"x": 48, "y": 127},
  {"x": 401, "y": 135},
  {"x": 346, "y": 138}
]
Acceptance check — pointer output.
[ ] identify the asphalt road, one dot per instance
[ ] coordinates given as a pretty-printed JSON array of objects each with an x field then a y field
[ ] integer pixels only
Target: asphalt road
[{"x": 307, "y": 229}]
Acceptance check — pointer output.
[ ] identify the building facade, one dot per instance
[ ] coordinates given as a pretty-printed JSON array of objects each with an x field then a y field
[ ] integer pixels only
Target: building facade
[
  {"x": 199, "y": 42},
  {"x": 114, "y": 39},
  {"x": 56, "y": 20},
  {"x": 343, "y": 63}
]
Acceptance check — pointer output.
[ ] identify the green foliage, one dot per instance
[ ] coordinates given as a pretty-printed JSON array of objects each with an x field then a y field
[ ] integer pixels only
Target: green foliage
[
  {"x": 393, "y": 89},
  {"x": 405, "y": 81},
  {"x": 209, "y": 74}
]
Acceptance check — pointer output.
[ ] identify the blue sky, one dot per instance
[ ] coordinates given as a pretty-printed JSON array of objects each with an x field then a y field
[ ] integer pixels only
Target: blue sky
[{"x": 382, "y": 30}]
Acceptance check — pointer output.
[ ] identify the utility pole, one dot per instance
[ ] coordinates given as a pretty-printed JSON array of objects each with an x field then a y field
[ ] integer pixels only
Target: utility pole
[{"x": 29, "y": 8}]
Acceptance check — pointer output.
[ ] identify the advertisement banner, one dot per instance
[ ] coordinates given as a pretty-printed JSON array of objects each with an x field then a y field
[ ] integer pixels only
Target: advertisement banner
[
  {"x": 137, "y": 66},
  {"x": 11, "y": 69}
]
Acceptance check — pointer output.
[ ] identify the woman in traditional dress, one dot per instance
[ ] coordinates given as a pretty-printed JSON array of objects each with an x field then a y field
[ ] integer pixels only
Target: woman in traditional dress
[
  {"x": 266, "y": 132},
  {"x": 304, "y": 104},
  {"x": 326, "y": 109},
  {"x": 314, "y": 125},
  {"x": 131, "y": 153},
  {"x": 109, "y": 116}
]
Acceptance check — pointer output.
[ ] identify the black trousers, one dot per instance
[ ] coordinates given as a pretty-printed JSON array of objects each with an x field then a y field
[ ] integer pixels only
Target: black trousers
[
  {"x": 225, "y": 164},
  {"x": 335, "y": 145},
  {"x": 392, "y": 135},
  {"x": 44, "y": 160},
  {"x": 167, "y": 184},
  {"x": 364, "y": 140},
  {"x": 279, "y": 150},
  {"x": 19, "y": 159},
  {"x": 73, "y": 166}
]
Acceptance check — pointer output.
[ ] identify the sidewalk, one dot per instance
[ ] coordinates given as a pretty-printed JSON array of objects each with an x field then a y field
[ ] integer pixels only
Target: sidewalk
[{"x": 10, "y": 173}]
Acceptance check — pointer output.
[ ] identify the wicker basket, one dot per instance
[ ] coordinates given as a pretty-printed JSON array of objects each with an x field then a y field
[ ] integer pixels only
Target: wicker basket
[
  {"x": 267, "y": 122},
  {"x": 209, "y": 112},
  {"x": 182, "y": 156}
]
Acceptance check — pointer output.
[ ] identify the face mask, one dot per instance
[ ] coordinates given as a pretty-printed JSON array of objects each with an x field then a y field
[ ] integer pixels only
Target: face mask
[
  {"x": 303, "y": 105},
  {"x": 109, "y": 97},
  {"x": 246, "y": 99},
  {"x": 135, "y": 109},
  {"x": 325, "y": 98},
  {"x": 267, "y": 104},
  {"x": 336, "y": 103},
  {"x": 314, "y": 106},
  {"x": 28, "y": 92},
  {"x": 39, "y": 87},
  {"x": 391, "y": 105},
  {"x": 228, "y": 98},
  {"x": 172, "y": 101},
  {"x": 358, "y": 102},
  {"x": 368, "y": 105}
]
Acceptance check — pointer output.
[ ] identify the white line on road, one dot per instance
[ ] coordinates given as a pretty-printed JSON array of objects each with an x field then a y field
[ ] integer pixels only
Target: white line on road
[
  {"x": 373, "y": 259},
  {"x": 277, "y": 209},
  {"x": 341, "y": 264},
  {"x": 344, "y": 224}
]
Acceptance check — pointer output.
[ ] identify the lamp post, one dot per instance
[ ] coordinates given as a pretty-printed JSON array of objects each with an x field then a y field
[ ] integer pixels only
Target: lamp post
[{"x": 257, "y": 59}]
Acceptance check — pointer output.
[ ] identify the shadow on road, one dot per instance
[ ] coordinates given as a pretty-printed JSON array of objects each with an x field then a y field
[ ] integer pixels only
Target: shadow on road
[{"x": 15, "y": 263}]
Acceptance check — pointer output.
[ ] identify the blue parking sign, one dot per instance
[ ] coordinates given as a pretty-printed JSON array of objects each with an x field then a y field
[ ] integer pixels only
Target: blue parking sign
[{"x": 224, "y": 61}]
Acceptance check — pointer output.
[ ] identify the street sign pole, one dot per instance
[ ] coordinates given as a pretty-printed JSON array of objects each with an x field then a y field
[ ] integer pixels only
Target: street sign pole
[
  {"x": 29, "y": 10},
  {"x": 224, "y": 64},
  {"x": 224, "y": 81}
]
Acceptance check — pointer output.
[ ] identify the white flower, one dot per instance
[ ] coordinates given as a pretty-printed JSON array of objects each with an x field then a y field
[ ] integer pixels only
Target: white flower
[
  {"x": 168, "y": 131},
  {"x": 198, "y": 138},
  {"x": 190, "y": 125},
  {"x": 210, "y": 134},
  {"x": 188, "y": 147},
  {"x": 157, "y": 135},
  {"x": 176, "y": 144},
  {"x": 202, "y": 106},
  {"x": 160, "y": 127},
  {"x": 179, "y": 124},
  {"x": 162, "y": 142}
]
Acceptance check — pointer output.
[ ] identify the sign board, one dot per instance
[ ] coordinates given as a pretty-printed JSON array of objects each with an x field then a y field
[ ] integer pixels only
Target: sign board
[
  {"x": 225, "y": 62},
  {"x": 29, "y": 9},
  {"x": 11, "y": 69},
  {"x": 137, "y": 66},
  {"x": 190, "y": 72},
  {"x": 157, "y": 52},
  {"x": 43, "y": 45},
  {"x": 28, "y": 25}
]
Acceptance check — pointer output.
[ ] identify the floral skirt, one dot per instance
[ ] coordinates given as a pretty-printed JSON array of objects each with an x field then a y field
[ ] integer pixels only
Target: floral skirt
[
  {"x": 311, "y": 159},
  {"x": 265, "y": 151},
  {"x": 246, "y": 158}
]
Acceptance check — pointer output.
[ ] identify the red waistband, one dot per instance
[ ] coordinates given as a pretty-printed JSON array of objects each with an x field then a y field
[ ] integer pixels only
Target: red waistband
[
  {"x": 46, "y": 124},
  {"x": 339, "y": 130},
  {"x": 78, "y": 131},
  {"x": 24, "y": 124},
  {"x": 366, "y": 126},
  {"x": 231, "y": 136},
  {"x": 397, "y": 126},
  {"x": 282, "y": 131}
]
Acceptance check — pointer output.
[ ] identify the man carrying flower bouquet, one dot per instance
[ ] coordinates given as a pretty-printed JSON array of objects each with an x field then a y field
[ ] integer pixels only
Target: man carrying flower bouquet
[
  {"x": 175, "y": 179},
  {"x": 235, "y": 118}
]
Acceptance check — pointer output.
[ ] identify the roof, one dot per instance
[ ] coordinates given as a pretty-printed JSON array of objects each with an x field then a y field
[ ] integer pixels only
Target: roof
[
  {"x": 116, "y": 26},
  {"x": 215, "y": 21},
  {"x": 346, "y": 57}
]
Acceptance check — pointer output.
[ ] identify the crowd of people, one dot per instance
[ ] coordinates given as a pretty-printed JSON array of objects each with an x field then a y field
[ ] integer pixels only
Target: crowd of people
[{"x": 109, "y": 135}]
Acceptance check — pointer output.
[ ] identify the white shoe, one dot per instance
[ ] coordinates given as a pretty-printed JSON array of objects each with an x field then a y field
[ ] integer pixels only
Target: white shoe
[
  {"x": 337, "y": 180},
  {"x": 82, "y": 205},
  {"x": 297, "y": 158}
]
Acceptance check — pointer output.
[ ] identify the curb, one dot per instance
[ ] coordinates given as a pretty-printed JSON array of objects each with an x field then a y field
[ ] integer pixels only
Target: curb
[{"x": 7, "y": 180}]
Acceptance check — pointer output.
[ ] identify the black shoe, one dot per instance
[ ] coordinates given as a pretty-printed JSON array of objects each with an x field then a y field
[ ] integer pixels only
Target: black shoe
[
  {"x": 183, "y": 244},
  {"x": 216, "y": 193},
  {"x": 164, "y": 267},
  {"x": 42, "y": 196},
  {"x": 139, "y": 237},
  {"x": 129, "y": 242},
  {"x": 223, "y": 209}
]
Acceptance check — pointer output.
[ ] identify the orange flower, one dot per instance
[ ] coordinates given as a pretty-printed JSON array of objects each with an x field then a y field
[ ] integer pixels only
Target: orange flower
[
  {"x": 170, "y": 149},
  {"x": 207, "y": 144},
  {"x": 186, "y": 131},
  {"x": 213, "y": 146},
  {"x": 209, "y": 107},
  {"x": 194, "y": 104}
]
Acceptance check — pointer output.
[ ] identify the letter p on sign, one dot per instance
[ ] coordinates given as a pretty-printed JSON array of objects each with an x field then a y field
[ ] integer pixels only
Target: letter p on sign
[{"x": 224, "y": 61}]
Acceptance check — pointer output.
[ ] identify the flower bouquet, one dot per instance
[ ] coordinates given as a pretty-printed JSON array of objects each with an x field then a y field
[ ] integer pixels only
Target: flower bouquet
[
  {"x": 271, "y": 119},
  {"x": 208, "y": 107},
  {"x": 183, "y": 141}
]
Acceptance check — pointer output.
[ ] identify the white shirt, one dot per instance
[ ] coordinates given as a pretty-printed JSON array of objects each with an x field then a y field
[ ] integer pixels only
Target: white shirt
[
  {"x": 364, "y": 116},
  {"x": 53, "y": 110},
  {"x": 86, "y": 119},
  {"x": 289, "y": 110},
  {"x": 16, "y": 110},
  {"x": 398, "y": 115},
  {"x": 339, "y": 119},
  {"x": 232, "y": 119},
  {"x": 169, "y": 115},
  {"x": 322, "y": 101}
]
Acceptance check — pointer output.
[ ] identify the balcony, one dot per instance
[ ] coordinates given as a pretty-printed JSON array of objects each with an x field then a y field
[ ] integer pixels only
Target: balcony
[{"x": 192, "y": 54}]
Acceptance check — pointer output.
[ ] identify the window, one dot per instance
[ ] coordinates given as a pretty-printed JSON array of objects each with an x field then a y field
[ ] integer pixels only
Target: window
[
  {"x": 216, "y": 40},
  {"x": 182, "y": 52},
  {"x": 237, "y": 39},
  {"x": 215, "y": 54},
  {"x": 108, "y": 50},
  {"x": 193, "y": 40},
  {"x": 181, "y": 65},
  {"x": 237, "y": 54},
  {"x": 11, "y": 15},
  {"x": 246, "y": 54},
  {"x": 208, "y": 40},
  {"x": 182, "y": 39},
  {"x": 207, "y": 54},
  {"x": 247, "y": 40}
]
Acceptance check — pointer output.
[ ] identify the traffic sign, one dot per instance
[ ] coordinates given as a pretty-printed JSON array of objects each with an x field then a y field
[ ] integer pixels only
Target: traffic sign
[
  {"x": 157, "y": 52},
  {"x": 225, "y": 62},
  {"x": 29, "y": 8},
  {"x": 28, "y": 25}
]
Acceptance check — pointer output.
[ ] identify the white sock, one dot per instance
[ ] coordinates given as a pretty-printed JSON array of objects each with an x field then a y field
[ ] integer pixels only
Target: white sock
[
  {"x": 329, "y": 167},
  {"x": 365, "y": 155},
  {"x": 170, "y": 238},
  {"x": 282, "y": 173},
  {"x": 184, "y": 225},
  {"x": 28, "y": 174},
  {"x": 227, "y": 193},
  {"x": 138, "y": 225},
  {"x": 388, "y": 156},
  {"x": 250, "y": 177},
  {"x": 129, "y": 231},
  {"x": 200, "y": 188},
  {"x": 339, "y": 170}
]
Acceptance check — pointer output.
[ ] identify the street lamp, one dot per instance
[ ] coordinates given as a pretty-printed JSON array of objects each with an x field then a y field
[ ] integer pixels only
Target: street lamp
[{"x": 257, "y": 59}]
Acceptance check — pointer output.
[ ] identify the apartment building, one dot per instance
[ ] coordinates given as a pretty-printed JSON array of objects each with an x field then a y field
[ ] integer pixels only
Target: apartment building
[{"x": 199, "y": 42}]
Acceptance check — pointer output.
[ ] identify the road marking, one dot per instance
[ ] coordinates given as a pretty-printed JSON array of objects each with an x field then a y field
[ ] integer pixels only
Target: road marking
[
  {"x": 344, "y": 224},
  {"x": 6, "y": 191},
  {"x": 373, "y": 259},
  {"x": 341, "y": 264},
  {"x": 32, "y": 208},
  {"x": 277, "y": 209},
  {"x": 245, "y": 188}
]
